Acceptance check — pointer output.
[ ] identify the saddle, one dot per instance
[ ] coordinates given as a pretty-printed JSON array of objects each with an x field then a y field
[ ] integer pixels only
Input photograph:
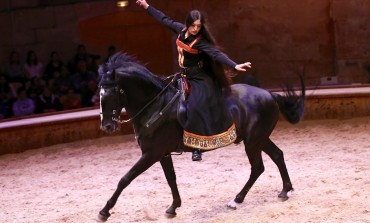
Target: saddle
[{"x": 183, "y": 85}]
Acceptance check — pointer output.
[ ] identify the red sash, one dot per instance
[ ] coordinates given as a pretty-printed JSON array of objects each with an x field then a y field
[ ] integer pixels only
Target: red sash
[{"x": 188, "y": 48}]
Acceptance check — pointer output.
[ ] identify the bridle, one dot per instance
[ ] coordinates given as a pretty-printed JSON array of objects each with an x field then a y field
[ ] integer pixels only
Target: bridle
[{"x": 116, "y": 114}]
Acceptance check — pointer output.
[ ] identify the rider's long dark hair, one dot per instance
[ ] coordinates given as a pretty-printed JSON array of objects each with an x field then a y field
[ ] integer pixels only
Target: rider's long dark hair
[{"x": 215, "y": 68}]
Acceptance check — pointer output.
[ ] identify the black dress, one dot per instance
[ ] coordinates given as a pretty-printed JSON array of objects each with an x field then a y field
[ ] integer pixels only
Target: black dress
[{"x": 209, "y": 124}]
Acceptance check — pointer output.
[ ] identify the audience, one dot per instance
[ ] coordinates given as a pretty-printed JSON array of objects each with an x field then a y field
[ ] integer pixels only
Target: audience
[
  {"x": 47, "y": 102},
  {"x": 31, "y": 88}
]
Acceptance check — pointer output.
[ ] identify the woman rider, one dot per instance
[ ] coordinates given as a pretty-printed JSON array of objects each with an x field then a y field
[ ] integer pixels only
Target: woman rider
[{"x": 208, "y": 123}]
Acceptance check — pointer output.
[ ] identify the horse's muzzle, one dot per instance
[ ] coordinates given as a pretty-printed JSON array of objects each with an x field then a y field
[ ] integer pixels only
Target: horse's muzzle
[{"x": 110, "y": 127}]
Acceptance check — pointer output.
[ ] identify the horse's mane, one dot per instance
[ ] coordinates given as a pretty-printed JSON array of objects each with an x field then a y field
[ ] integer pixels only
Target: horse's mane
[{"x": 122, "y": 63}]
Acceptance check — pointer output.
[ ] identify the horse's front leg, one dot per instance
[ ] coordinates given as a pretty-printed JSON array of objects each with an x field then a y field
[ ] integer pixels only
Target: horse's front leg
[
  {"x": 145, "y": 161},
  {"x": 170, "y": 174}
]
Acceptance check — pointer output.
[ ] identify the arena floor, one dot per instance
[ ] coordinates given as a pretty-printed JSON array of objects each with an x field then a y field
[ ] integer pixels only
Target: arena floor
[{"x": 328, "y": 162}]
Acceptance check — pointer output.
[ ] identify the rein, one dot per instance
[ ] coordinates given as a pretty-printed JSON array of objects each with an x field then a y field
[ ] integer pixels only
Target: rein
[{"x": 148, "y": 104}]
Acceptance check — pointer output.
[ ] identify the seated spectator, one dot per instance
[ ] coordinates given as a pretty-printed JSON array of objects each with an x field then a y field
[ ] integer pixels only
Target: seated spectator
[
  {"x": 35, "y": 88},
  {"x": 23, "y": 105},
  {"x": 71, "y": 100},
  {"x": 82, "y": 77},
  {"x": 89, "y": 95},
  {"x": 6, "y": 92},
  {"x": 14, "y": 69},
  {"x": 48, "y": 102},
  {"x": 33, "y": 67},
  {"x": 82, "y": 54},
  {"x": 61, "y": 82},
  {"x": 54, "y": 65}
]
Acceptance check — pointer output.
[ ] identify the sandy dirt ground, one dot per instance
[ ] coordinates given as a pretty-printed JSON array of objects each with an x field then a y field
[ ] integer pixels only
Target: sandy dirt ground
[{"x": 328, "y": 162}]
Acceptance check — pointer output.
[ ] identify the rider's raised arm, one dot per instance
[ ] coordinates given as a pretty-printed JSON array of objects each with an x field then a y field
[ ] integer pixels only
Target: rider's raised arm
[{"x": 165, "y": 20}]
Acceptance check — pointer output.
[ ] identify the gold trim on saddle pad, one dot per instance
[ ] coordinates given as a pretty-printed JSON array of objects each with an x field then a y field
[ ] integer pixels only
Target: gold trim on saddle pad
[{"x": 210, "y": 142}]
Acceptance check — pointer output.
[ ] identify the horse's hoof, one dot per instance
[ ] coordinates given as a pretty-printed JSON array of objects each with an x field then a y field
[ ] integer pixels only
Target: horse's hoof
[
  {"x": 101, "y": 218},
  {"x": 232, "y": 205},
  {"x": 239, "y": 198},
  {"x": 171, "y": 212},
  {"x": 170, "y": 215},
  {"x": 283, "y": 196}
]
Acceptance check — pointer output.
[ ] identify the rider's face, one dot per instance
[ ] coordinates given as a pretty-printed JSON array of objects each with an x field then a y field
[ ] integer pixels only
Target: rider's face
[{"x": 195, "y": 27}]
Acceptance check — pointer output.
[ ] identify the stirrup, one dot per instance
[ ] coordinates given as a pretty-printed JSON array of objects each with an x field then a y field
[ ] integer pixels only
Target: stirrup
[{"x": 197, "y": 155}]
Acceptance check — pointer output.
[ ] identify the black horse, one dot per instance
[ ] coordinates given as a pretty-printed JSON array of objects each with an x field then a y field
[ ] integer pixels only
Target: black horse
[{"x": 151, "y": 103}]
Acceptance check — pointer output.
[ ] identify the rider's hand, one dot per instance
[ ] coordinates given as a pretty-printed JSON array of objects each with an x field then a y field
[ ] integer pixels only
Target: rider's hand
[
  {"x": 242, "y": 66},
  {"x": 142, "y": 3}
]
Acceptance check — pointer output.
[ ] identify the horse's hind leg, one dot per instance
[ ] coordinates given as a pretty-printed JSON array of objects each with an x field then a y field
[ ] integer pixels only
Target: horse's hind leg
[
  {"x": 278, "y": 157},
  {"x": 257, "y": 168},
  {"x": 145, "y": 161},
  {"x": 170, "y": 174}
]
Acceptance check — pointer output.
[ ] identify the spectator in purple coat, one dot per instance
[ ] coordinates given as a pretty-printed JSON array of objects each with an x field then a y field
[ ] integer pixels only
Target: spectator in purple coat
[{"x": 23, "y": 105}]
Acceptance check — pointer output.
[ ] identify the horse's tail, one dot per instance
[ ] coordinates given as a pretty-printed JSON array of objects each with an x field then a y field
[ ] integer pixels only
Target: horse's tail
[{"x": 291, "y": 104}]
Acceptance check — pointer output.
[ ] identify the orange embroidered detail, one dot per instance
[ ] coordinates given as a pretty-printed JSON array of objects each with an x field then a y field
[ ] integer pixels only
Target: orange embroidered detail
[{"x": 210, "y": 142}]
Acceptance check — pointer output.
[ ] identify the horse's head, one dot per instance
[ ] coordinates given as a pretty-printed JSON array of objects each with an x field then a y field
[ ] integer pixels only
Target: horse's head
[
  {"x": 112, "y": 97},
  {"x": 112, "y": 100},
  {"x": 124, "y": 84}
]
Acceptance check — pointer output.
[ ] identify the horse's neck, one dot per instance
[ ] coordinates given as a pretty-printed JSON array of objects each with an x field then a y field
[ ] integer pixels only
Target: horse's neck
[
  {"x": 154, "y": 115},
  {"x": 140, "y": 101}
]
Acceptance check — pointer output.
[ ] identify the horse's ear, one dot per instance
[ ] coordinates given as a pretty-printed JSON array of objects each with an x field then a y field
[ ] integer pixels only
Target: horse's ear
[
  {"x": 106, "y": 80},
  {"x": 106, "y": 76}
]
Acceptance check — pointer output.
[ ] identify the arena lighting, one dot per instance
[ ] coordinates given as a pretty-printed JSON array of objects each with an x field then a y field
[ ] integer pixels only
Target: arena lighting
[{"x": 122, "y": 4}]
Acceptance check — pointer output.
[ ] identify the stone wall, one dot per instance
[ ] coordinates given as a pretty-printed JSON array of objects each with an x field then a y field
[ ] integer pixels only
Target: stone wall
[
  {"x": 281, "y": 38},
  {"x": 352, "y": 31}
]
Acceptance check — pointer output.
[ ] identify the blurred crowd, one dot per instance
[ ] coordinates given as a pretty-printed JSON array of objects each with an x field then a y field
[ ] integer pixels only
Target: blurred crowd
[{"x": 33, "y": 87}]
